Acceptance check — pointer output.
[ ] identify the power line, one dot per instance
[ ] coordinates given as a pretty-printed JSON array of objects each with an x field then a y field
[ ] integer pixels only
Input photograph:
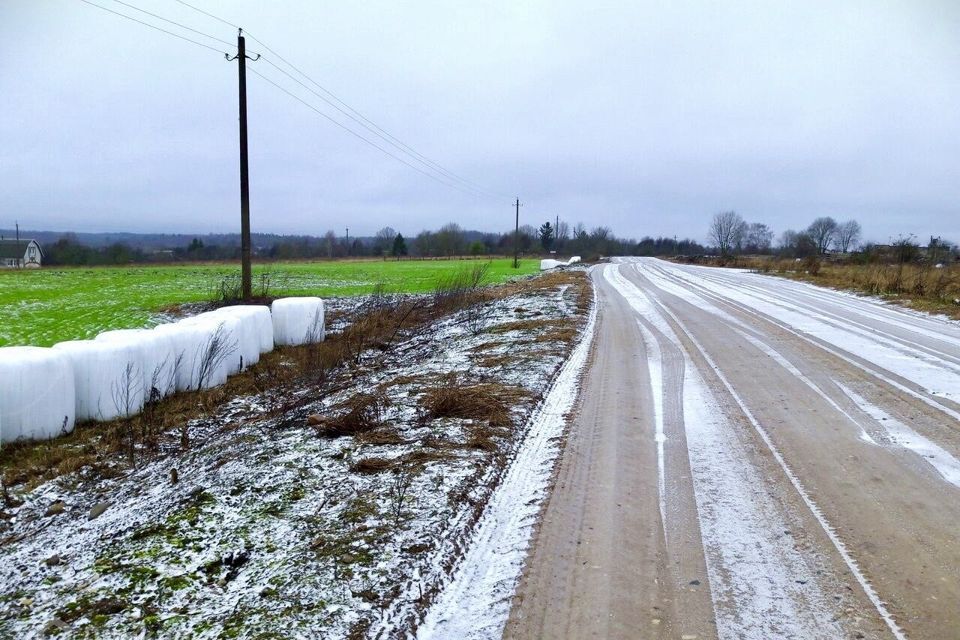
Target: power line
[
  {"x": 182, "y": 26},
  {"x": 368, "y": 128},
  {"x": 368, "y": 124},
  {"x": 153, "y": 26},
  {"x": 357, "y": 135},
  {"x": 353, "y": 114},
  {"x": 435, "y": 171},
  {"x": 210, "y": 15}
]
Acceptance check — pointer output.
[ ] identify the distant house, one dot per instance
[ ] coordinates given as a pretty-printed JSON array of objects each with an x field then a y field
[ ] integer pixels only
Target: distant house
[{"x": 20, "y": 254}]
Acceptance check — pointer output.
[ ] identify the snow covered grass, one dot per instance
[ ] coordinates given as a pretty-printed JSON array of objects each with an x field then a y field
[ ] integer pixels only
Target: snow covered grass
[
  {"x": 45, "y": 306},
  {"x": 924, "y": 287},
  {"x": 256, "y": 512}
]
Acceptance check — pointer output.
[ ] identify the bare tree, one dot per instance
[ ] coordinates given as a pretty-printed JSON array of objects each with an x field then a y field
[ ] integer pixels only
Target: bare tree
[
  {"x": 759, "y": 237},
  {"x": 847, "y": 236},
  {"x": 384, "y": 240},
  {"x": 822, "y": 230},
  {"x": 450, "y": 240},
  {"x": 727, "y": 230},
  {"x": 330, "y": 243}
]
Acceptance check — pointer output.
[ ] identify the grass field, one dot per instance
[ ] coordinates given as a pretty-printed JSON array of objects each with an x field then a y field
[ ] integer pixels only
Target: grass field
[{"x": 49, "y": 305}]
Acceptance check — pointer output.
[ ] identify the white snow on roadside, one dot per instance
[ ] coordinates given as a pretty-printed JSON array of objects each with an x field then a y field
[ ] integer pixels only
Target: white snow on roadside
[
  {"x": 930, "y": 452},
  {"x": 476, "y": 602}
]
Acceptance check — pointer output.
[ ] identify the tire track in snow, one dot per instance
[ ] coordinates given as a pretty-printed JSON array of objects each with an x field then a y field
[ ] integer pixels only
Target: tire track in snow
[
  {"x": 828, "y": 529},
  {"x": 882, "y": 375},
  {"x": 752, "y": 567}
]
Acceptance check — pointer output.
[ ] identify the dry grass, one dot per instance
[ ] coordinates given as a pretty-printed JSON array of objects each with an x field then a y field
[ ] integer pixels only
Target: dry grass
[
  {"x": 920, "y": 286},
  {"x": 372, "y": 465},
  {"x": 528, "y": 325},
  {"x": 361, "y": 413},
  {"x": 486, "y": 402}
]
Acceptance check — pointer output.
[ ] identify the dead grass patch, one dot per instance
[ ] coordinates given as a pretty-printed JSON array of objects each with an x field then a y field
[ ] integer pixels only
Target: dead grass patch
[
  {"x": 381, "y": 436},
  {"x": 361, "y": 413},
  {"x": 527, "y": 325},
  {"x": 487, "y": 402},
  {"x": 372, "y": 465}
]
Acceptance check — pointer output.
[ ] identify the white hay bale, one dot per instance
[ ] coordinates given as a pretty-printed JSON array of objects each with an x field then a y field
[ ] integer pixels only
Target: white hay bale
[
  {"x": 256, "y": 330},
  {"x": 189, "y": 341},
  {"x": 550, "y": 263},
  {"x": 573, "y": 260},
  {"x": 108, "y": 377},
  {"x": 220, "y": 353},
  {"x": 37, "y": 394},
  {"x": 159, "y": 376},
  {"x": 297, "y": 321}
]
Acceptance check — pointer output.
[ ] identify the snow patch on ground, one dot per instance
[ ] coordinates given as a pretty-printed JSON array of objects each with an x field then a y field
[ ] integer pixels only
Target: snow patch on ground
[{"x": 476, "y": 603}]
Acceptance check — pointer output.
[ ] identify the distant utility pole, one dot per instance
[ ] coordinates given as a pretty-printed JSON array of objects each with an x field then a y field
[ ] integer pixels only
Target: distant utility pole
[
  {"x": 516, "y": 239},
  {"x": 17, "y": 224},
  {"x": 246, "y": 275},
  {"x": 348, "y": 241}
]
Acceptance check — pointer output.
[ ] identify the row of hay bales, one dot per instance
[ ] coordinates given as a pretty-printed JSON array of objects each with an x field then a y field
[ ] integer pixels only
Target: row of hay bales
[
  {"x": 45, "y": 391},
  {"x": 550, "y": 263}
]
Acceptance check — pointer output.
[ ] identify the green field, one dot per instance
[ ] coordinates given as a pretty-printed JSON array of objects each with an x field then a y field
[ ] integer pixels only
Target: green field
[{"x": 49, "y": 305}]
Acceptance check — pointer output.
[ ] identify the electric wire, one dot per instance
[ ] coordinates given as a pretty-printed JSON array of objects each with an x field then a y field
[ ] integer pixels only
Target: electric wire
[
  {"x": 368, "y": 128},
  {"x": 439, "y": 173},
  {"x": 349, "y": 111},
  {"x": 452, "y": 185},
  {"x": 182, "y": 26},
  {"x": 153, "y": 26}
]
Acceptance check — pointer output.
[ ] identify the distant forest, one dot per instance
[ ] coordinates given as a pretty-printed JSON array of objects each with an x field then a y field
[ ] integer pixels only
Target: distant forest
[{"x": 449, "y": 241}]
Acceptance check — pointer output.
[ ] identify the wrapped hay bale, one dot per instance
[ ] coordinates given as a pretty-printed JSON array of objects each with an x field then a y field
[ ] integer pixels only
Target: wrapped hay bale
[
  {"x": 297, "y": 321},
  {"x": 108, "y": 377},
  {"x": 573, "y": 260},
  {"x": 37, "y": 394},
  {"x": 187, "y": 343},
  {"x": 256, "y": 330},
  {"x": 219, "y": 353},
  {"x": 159, "y": 375},
  {"x": 549, "y": 263}
]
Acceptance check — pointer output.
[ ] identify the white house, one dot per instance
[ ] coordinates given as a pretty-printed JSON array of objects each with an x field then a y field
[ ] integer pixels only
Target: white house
[{"x": 20, "y": 254}]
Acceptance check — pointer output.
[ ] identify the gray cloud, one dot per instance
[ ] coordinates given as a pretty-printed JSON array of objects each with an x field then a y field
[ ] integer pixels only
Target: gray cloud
[{"x": 646, "y": 117}]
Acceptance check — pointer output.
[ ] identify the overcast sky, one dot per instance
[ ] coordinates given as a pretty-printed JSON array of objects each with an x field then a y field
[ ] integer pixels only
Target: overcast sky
[{"x": 647, "y": 117}]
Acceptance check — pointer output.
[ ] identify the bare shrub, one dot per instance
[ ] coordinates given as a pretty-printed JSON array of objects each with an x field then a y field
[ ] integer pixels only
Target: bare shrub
[
  {"x": 811, "y": 265},
  {"x": 363, "y": 412},
  {"x": 398, "y": 490},
  {"x": 212, "y": 354},
  {"x": 460, "y": 287},
  {"x": 371, "y": 465},
  {"x": 486, "y": 402}
]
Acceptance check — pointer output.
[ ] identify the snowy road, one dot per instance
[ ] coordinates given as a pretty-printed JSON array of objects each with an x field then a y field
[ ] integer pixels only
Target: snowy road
[{"x": 752, "y": 458}]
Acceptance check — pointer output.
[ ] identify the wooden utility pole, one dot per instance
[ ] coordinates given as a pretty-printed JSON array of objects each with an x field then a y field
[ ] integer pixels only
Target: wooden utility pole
[
  {"x": 516, "y": 239},
  {"x": 246, "y": 275}
]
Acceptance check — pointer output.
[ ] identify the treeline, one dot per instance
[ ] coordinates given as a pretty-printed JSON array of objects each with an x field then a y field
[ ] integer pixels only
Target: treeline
[
  {"x": 449, "y": 240},
  {"x": 729, "y": 234}
]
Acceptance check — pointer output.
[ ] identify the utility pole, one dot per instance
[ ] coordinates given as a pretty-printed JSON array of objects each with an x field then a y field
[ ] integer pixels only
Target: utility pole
[
  {"x": 246, "y": 275},
  {"x": 17, "y": 225},
  {"x": 516, "y": 239},
  {"x": 348, "y": 241}
]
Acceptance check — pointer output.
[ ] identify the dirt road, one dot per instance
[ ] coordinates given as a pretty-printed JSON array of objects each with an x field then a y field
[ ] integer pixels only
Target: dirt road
[{"x": 752, "y": 458}]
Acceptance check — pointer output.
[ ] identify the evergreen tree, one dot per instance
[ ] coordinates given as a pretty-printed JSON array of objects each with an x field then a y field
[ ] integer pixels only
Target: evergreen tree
[
  {"x": 399, "y": 246},
  {"x": 546, "y": 235}
]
